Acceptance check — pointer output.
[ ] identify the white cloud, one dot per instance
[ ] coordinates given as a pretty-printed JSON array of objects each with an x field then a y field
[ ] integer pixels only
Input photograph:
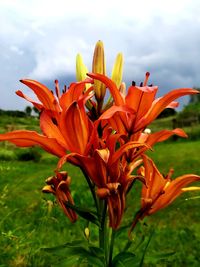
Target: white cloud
[{"x": 39, "y": 39}]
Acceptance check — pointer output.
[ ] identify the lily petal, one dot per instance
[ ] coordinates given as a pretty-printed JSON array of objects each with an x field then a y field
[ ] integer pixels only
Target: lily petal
[
  {"x": 74, "y": 93},
  {"x": 75, "y": 128},
  {"x": 118, "y": 99},
  {"x": 163, "y": 135},
  {"x": 161, "y": 104},
  {"x": 173, "y": 190},
  {"x": 140, "y": 99},
  {"x": 50, "y": 129},
  {"x": 31, "y": 138},
  {"x": 124, "y": 148},
  {"x": 43, "y": 94},
  {"x": 35, "y": 104}
]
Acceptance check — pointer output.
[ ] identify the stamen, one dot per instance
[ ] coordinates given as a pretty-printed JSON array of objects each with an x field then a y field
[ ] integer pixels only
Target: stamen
[
  {"x": 133, "y": 83},
  {"x": 170, "y": 173},
  {"x": 57, "y": 88},
  {"x": 146, "y": 78}
]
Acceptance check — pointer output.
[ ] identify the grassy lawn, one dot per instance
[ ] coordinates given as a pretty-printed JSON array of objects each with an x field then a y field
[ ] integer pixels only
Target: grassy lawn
[{"x": 31, "y": 220}]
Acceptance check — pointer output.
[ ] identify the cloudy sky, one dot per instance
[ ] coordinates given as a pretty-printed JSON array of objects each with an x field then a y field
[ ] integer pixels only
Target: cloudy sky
[{"x": 39, "y": 39}]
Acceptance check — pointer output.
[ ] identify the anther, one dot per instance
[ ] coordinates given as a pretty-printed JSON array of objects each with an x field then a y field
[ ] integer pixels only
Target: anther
[{"x": 133, "y": 83}]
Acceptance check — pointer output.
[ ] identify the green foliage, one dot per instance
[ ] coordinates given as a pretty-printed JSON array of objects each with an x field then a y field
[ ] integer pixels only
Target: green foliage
[
  {"x": 195, "y": 98},
  {"x": 6, "y": 154},
  {"x": 28, "y": 111},
  {"x": 28, "y": 154},
  {"x": 87, "y": 214},
  {"x": 14, "y": 113},
  {"x": 168, "y": 112},
  {"x": 191, "y": 111}
]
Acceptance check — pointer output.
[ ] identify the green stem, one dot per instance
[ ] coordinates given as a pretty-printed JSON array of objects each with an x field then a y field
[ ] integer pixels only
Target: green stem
[
  {"x": 103, "y": 229},
  {"x": 112, "y": 240},
  {"x": 92, "y": 189}
]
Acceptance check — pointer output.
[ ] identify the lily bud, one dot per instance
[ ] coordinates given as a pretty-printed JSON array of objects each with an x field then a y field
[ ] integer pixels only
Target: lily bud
[
  {"x": 81, "y": 69},
  {"x": 117, "y": 70},
  {"x": 122, "y": 89},
  {"x": 98, "y": 66},
  {"x": 87, "y": 233}
]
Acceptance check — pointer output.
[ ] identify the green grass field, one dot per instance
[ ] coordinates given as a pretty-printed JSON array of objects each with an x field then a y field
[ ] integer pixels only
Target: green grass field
[{"x": 31, "y": 220}]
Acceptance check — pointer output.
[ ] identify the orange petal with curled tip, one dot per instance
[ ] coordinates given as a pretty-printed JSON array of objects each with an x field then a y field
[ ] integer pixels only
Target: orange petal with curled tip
[
  {"x": 25, "y": 138},
  {"x": 163, "y": 135},
  {"x": 35, "y": 104},
  {"x": 161, "y": 104},
  {"x": 43, "y": 94},
  {"x": 118, "y": 99},
  {"x": 74, "y": 93},
  {"x": 174, "y": 189}
]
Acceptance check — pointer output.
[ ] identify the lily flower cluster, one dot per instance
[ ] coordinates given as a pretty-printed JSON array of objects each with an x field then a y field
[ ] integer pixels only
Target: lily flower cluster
[{"x": 105, "y": 137}]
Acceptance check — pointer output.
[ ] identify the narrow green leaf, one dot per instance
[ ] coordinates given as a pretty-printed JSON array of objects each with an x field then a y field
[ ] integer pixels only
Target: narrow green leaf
[
  {"x": 123, "y": 258},
  {"x": 77, "y": 249},
  {"x": 145, "y": 249},
  {"x": 69, "y": 262},
  {"x": 90, "y": 259},
  {"x": 119, "y": 264},
  {"x": 96, "y": 251},
  {"x": 85, "y": 213},
  {"x": 160, "y": 256},
  {"x": 73, "y": 244},
  {"x": 122, "y": 229}
]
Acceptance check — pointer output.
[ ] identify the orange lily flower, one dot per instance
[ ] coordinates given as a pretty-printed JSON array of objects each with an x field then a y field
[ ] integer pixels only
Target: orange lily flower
[
  {"x": 141, "y": 100},
  {"x": 58, "y": 185},
  {"x": 153, "y": 138},
  {"x": 63, "y": 120},
  {"x": 114, "y": 175},
  {"x": 160, "y": 191}
]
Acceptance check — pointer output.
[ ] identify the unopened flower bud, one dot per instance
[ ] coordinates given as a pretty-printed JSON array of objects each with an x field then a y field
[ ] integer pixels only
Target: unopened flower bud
[
  {"x": 98, "y": 66},
  {"x": 87, "y": 233},
  {"x": 81, "y": 69},
  {"x": 117, "y": 70}
]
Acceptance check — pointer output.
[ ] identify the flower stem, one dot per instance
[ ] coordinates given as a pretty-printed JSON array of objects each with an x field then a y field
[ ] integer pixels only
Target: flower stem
[
  {"x": 112, "y": 240},
  {"x": 103, "y": 229},
  {"x": 92, "y": 189}
]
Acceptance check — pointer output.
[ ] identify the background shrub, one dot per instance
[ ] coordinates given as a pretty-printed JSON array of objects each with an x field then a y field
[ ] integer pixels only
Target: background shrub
[{"x": 28, "y": 154}]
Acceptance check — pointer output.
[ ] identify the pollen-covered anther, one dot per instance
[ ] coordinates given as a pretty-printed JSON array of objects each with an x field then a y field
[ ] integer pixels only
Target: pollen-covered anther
[
  {"x": 147, "y": 201},
  {"x": 113, "y": 187}
]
